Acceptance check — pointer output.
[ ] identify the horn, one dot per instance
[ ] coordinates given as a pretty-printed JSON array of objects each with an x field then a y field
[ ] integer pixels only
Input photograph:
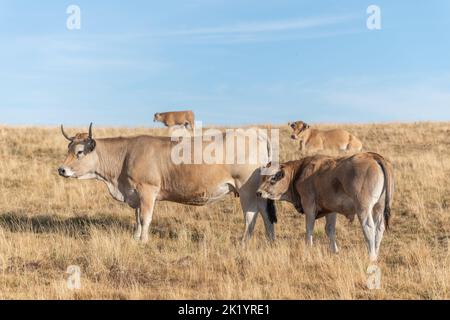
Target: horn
[
  {"x": 90, "y": 131},
  {"x": 65, "y": 134}
]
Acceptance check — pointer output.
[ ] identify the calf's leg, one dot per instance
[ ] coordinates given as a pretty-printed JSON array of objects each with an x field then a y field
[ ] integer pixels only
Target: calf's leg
[
  {"x": 379, "y": 226},
  {"x": 366, "y": 219},
  {"x": 330, "y": 229},
  {"x": 310, "y": 216}
]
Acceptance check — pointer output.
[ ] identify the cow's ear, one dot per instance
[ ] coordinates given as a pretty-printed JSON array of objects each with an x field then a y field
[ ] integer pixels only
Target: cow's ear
[{"x": 90, "y": 146}]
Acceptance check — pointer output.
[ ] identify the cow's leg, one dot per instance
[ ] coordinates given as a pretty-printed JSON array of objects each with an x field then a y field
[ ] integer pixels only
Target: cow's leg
[
  {"x": 138, "y": 230},
  {"x": 330, "y": 229},
  {"x": 379, "y": 226},
  {"x": 148, "y": 196},
  {"x": 250, "y": 208},
  {"x": 263, "y": 205},
  {"x": 366, "y": 219}
]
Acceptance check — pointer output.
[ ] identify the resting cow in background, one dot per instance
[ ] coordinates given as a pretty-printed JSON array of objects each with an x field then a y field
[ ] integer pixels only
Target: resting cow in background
[{"x": 314, "y": 140}]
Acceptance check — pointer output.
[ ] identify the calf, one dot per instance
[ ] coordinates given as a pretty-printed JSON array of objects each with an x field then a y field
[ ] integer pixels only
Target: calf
[{"x": 361, "y": 185}]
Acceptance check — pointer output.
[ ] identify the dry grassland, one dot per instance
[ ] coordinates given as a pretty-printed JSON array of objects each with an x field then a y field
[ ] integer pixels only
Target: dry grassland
[{"x": 48, "y": 223}]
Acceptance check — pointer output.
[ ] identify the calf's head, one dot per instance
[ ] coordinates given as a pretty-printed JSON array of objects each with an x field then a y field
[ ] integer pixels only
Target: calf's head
[
  {"x": 82, "y": 159},
  {"x": 276, "y": 184},
  {"x": 157, "y": 117},
  {"x": 298, "y": 128}
]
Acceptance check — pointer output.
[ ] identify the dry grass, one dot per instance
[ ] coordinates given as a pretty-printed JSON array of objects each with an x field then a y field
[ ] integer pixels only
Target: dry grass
[{"x": 48, "y": 223}]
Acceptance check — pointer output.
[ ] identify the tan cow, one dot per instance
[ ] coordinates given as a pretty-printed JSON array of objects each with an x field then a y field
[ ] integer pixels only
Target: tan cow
[
  {"x": 318, "y": 186},
  {"x": 313, "y": 140},
  {"x": 140, "y": 170},
  {"x": 176, "y": 118}
]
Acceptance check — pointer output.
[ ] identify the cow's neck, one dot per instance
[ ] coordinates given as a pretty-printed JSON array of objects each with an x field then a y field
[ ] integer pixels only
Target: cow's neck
[{"x": 111, "y": 155}]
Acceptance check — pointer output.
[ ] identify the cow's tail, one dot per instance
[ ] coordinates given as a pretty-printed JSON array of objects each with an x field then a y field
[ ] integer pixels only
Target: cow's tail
[
  {"x": 271, "y": 208},
  {"x": 388, "y": 186},
  {"x": 272, "y": 211},
  {"x": 269, "y": 150}
]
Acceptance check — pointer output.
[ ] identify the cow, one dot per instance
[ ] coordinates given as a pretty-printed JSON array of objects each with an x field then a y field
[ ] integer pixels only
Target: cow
[
  {"x": 176, "y": 118},
  {"x": 318, "y": 186},
  {"x": 139, "y": 171},
  {"x": 314, "y": 140}
]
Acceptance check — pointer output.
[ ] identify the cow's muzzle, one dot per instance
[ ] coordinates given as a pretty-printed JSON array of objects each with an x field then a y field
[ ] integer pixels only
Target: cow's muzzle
[{"x": 63, "y": 172}]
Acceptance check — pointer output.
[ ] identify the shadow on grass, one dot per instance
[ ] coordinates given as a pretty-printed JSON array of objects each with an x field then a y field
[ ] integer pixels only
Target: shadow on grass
[
  {"x": 81, "y": 226},
  {"x": 74, "y": 226}
]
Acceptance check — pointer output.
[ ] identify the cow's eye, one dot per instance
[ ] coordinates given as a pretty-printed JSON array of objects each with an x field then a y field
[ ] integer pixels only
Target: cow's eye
[{"x": 80, "y": 153}]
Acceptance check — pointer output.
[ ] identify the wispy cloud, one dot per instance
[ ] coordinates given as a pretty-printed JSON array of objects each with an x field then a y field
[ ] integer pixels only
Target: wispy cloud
[
  {"x": 267, "y": 26},
  {"x": 241, "y": 32}
]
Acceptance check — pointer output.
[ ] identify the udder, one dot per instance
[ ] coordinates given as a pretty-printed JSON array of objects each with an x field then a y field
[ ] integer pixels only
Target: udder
[
  {"x": 220, "y": 192},
  {"x": 201, "y": 197}
]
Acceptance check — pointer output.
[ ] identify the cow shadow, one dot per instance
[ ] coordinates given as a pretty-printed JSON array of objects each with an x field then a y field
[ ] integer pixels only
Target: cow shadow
[{"x": 80, "y": 226}]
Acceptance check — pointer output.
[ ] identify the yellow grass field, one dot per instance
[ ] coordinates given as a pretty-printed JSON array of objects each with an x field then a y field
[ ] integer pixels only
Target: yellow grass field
[{"x": 48, "y": 223}]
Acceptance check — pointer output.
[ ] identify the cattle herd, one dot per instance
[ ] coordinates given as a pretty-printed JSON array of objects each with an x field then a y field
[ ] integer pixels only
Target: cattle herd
[{"x": 139, "y": 171}]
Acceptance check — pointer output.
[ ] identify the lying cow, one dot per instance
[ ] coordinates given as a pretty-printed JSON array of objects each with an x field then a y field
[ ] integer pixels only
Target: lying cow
[
  {"x": 176, "y": 118},
  {"x": 316, "y": 140},
  {"x": 139, "y": 171},
  {"x": 319, "y": 186}
]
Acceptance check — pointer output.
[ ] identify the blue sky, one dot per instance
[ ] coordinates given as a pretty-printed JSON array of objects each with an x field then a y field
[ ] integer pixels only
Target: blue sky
[{"x": 231, "y": 61}]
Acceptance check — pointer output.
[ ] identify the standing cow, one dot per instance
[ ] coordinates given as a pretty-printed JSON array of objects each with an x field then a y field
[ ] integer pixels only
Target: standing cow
[
  {"x": 139, "y": 171},
  {"x": 176, "y": 118},
  {"x": 318, "y": 186}
]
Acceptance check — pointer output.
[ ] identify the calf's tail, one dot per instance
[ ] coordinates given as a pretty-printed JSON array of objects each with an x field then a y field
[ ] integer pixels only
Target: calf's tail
[{"x": 388, "y": 186}]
